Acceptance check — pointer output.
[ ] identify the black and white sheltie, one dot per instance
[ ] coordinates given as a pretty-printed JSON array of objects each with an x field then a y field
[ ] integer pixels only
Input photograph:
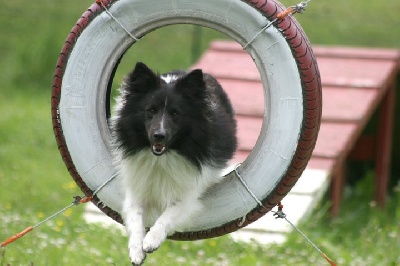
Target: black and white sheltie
[{"x": 173, "y": 134}]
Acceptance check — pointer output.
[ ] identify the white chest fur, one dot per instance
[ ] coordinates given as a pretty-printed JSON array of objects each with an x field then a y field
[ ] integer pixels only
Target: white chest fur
[{"x": 157, "y": 182}]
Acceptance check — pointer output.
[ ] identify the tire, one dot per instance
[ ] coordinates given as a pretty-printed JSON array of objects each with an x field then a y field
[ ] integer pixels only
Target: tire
[{"x": 292, "y": 89}]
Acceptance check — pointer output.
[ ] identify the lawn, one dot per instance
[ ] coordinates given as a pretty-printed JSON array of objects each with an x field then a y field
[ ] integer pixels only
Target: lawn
[{"x": 34, "y": 182}]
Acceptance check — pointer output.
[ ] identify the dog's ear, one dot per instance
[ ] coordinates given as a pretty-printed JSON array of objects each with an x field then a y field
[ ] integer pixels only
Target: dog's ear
[
  {"x": 142, "y": 79},
  {"x": 192, "y": 84}
]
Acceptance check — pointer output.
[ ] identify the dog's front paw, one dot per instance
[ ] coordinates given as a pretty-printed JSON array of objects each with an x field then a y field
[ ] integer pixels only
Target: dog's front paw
[
  {"x": 137, "y": 256},
  {"x": 154, "y": 239}
]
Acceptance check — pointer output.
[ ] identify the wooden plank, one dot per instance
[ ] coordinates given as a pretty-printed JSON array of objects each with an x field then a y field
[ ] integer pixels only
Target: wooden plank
[
  {"x": 356, "y": 52},
  {"x": 229, "y": 64},
  {"x": 334, "y": 71},
  {"x": 339, "y": 103},
  {"x": 325, "y": 164},
  {"x": 355, "y": 72},
  {"x": 248, "y": 130},
  {"x": 346, "y": 103},
  {"x": 228, "y": 60},
  {"x": 325, "y": 51},
  {"x": 222, "y": 45},
  {"x": 384, "y": 146},
  {"x": 247, "y": 97},
  {"x": 334, "y": 139}
]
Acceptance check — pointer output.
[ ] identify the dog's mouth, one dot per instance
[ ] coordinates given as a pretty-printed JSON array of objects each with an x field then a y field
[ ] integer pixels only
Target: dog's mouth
[{"x": 158, "y": 148}]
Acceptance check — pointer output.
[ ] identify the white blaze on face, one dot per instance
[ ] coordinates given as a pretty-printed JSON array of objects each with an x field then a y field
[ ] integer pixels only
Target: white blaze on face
[
  {"x": 159, "y": 147},
  {"x": 162, "y": 123},
  {"x": 169, "y": 78}
]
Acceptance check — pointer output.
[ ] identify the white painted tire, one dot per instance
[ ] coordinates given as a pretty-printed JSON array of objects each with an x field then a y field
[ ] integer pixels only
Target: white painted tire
[{"x": 292, "y": 92}]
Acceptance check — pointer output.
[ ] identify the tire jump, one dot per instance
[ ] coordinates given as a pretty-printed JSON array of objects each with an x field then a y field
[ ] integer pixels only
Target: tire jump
[{"x": 292, "y": 99}]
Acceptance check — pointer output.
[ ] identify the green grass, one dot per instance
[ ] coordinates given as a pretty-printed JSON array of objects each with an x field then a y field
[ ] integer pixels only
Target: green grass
[
  {"x": 34, "y": 182},
  {"x": 354, "y": 23}
]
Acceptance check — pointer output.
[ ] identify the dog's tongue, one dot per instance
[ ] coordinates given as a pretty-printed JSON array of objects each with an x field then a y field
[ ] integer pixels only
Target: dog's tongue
[{"x": 158, "y": 148}]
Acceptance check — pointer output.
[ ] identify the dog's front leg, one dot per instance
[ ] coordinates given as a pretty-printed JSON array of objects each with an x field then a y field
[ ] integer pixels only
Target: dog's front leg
[
  {"x": 174, "y": 216},
  {"x": 133, "y": 220}
]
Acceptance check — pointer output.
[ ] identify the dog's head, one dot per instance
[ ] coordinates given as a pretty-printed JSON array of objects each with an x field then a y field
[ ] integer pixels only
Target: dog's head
[{"x": 166, "y": 104}]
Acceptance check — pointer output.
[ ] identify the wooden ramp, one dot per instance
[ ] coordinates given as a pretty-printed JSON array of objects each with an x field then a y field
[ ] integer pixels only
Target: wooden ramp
[{"x": 356, "y": 82}]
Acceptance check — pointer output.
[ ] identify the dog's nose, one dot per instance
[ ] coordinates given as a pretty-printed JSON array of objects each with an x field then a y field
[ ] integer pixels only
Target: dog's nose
[{"x": 159, "y": 136}]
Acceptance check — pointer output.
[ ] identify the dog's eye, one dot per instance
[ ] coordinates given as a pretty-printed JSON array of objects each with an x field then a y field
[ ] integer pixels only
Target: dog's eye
[
  {"x": 151, "y": 111},
  {"x": 174, "y": 112}
]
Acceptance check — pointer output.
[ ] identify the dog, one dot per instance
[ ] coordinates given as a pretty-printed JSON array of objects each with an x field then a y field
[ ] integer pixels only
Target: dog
[{"x": 173, "y": 134}]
